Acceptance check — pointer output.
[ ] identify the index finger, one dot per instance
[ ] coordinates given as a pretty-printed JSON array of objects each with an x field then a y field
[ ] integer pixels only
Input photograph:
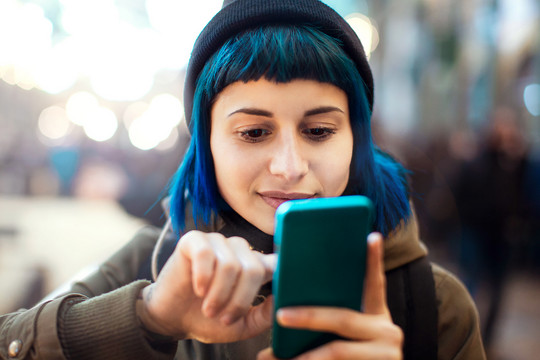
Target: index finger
[
  {"x": 375, "y": 283},
  {"x": 270, "y": 262}
]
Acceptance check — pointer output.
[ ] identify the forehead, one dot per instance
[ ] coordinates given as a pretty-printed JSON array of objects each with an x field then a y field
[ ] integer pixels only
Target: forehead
[{"x": 299, "y": 95}]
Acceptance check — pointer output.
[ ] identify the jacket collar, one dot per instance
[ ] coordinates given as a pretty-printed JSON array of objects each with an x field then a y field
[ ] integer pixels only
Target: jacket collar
[{"x": 403, "y": 244}]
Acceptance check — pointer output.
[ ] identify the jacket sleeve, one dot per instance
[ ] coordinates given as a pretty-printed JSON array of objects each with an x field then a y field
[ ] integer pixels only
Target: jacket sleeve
[
  {"x": 104, "y": 327},
  {"x": 31, "y": 334},
  {"x": 107, "y": 327},
  {"x": 458, "y": 323}
]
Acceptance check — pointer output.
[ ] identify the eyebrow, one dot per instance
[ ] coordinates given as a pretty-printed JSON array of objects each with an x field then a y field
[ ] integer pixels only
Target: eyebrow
[
  {"x": 323, "y": 110},
  {"x": 260, "y": 112},
  {"x": 252, "y": 111}
]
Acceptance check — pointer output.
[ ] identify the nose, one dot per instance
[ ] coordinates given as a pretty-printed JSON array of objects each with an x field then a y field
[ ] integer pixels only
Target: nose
[{"x": 289, "y": 159}]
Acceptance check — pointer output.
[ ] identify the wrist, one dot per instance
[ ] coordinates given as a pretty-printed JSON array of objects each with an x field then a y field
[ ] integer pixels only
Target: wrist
[{"x": 152, "y": 330}]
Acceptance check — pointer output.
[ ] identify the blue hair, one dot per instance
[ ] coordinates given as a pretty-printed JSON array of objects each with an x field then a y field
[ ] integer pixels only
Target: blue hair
[{"x": 282, "y": 53}]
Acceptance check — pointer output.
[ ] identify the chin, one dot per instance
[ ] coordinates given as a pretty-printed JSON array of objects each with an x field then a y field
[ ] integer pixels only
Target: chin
[
  {"x": 267, "y": 228},
  {"x": 269, "y": 231}
]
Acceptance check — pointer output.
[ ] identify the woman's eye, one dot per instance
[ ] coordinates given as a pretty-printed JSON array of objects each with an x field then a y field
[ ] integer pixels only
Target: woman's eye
[
  {"x": 253, "y": 135},
  {"x": 319, "y": 133}
]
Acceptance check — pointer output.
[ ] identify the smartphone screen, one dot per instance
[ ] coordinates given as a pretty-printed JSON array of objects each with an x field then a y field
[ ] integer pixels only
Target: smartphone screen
[{"x": 321, "y": 246}]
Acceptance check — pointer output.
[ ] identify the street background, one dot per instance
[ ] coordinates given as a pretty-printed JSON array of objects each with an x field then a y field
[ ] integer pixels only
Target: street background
[{"x": 91, "y": 130}]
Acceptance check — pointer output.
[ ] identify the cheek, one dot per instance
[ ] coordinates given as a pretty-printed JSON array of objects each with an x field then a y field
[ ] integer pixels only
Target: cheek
[
  {"x": 235, "y": 171},
  {"x": 220, "y": 163},
  {"x": 342, "y": 172},
  {"x": 334, "y": 170}
]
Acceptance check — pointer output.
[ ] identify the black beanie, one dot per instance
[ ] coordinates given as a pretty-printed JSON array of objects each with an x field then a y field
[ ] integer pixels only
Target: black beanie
[{"x": 239, "y": 15}]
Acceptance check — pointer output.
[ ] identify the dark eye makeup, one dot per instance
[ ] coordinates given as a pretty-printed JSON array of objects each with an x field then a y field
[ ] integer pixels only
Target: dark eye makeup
[{"x": 318, "y": 133}]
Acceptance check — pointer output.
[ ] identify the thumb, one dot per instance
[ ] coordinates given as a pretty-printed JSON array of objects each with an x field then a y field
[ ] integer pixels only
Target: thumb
[
  {"x": 259, "y": 318},
  {"x": 375, "y": 284}
]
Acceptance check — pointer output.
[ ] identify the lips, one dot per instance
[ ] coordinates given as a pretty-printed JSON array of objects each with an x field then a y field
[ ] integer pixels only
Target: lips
[{"x": 276, "y": 198}]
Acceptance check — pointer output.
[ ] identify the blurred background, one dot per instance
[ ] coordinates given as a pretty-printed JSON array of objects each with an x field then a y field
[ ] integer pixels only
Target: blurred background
[{"x": 91, "y": 129}]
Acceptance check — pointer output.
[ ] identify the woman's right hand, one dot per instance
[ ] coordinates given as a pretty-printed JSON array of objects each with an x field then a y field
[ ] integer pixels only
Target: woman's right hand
[{"x": 206, "y": 289}]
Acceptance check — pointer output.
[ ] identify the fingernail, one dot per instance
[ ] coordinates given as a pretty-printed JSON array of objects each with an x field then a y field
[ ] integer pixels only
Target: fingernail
[
  {"x": 373, "y": 237},
  {"x": 285, "y": 316}
]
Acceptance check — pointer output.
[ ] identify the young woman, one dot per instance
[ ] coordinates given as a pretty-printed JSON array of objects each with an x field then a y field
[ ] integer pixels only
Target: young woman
[{"x": 278, "y": 99}]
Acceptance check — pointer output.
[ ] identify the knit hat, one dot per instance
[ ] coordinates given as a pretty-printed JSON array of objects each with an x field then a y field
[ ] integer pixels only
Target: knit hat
[{"x": 239, "y": 15}]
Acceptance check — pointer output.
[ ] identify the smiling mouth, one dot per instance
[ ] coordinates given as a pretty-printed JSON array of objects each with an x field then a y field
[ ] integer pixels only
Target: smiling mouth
[{"x": 276, "y": 198}]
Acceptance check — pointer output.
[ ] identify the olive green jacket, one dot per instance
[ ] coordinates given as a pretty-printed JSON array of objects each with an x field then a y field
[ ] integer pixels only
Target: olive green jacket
[{"x": 99, "y": 319}]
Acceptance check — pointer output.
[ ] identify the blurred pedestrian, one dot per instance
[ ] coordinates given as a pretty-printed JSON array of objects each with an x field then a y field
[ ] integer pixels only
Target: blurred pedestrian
[{"x": 492, "y": 203}]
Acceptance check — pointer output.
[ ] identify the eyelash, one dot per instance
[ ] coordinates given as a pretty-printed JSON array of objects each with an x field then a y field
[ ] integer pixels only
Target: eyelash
[
  {"x": 245, "y": 134},
  {"x": 255, "y": 135},
  {"x": 327, "y": 132}
]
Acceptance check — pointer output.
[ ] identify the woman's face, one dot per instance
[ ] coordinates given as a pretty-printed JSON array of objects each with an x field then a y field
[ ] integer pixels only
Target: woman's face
[{"x": 273, "y": 142}]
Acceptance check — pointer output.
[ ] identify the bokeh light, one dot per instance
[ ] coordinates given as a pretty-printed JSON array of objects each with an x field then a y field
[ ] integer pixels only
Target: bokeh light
[
  {"x": 144, "y": 135},
  {"x": 53, "y": 123},
  {"x": 366, "y": 31},
  {"x": 119, "y": 56},
  {"x": 149, "y": 127},
  {"x": 177, "y": 24},
  {"x": 79, "y": 16},
  {"x": 80, "y": 106},
  {"x": 531, "y": 97},
  {"x": 126, "y": 72},
  {"x": 58, "y": 68},
  {"x": 25, "y": 34},
  {"x": 101, "y": 124},
  {"x": 167, "y": 109},
  {"x": 169, "y": 142},
  {"x": 133, "y": 111}
]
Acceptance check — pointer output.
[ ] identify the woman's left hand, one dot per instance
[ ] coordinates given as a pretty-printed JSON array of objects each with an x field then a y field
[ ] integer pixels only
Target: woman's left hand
[{"x": 369, "y": 335}]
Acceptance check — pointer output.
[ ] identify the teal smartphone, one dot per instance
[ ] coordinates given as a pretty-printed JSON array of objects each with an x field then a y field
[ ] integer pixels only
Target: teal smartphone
[{"x": 321, "y": 246}]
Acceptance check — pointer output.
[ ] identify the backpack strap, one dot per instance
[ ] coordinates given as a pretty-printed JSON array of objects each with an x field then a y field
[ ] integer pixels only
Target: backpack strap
[{"x": 413, "y": 305}]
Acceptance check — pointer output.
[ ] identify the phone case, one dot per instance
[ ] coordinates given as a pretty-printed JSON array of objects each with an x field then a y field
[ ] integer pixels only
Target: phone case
[{"x": 321, "y": 246}]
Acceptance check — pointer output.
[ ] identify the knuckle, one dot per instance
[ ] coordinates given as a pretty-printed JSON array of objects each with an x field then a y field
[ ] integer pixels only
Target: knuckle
[
  {"x": 345, "y": 318},
  {"x": 237, "y": 240},
  {"x": 392, "y": 333},
  {"x": 189, "y": 236},
  {"x": 307, "y": 316},
  {"x": 204, "y": 253},
  {"x": 230, "y": 267},
  {"x": 254, "y": 272},
  {"x": 193, "y": 243}
]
